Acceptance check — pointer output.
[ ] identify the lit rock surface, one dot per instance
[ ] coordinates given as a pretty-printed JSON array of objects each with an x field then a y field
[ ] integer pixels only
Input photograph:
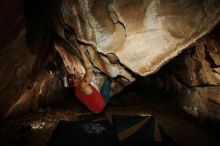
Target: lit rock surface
[{"x": 142, "y": 34}]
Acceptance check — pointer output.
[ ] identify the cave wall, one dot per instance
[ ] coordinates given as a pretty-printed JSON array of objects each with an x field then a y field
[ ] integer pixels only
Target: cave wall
[
  {"x": 28, "y": 80},
  {"x": 11, "y": 20},
  {"x": 191, "y": 81},
  {"x": 199, "y": 74},
  {"x": 124, "y": 39}
]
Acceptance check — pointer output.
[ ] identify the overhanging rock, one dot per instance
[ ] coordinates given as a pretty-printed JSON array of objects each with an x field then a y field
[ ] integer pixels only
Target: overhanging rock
[{"x": 142, "y": 34}]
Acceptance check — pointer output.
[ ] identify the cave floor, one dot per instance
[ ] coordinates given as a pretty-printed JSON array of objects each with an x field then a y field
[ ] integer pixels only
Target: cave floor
[{"x": 35, "y": 128}]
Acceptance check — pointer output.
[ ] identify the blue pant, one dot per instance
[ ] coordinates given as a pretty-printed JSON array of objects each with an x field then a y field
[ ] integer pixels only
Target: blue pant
[{"x": 106, "y": 90}]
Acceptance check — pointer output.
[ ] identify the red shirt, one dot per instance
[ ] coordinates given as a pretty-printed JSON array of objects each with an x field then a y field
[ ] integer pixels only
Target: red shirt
[{"x": 94, "y": 101}]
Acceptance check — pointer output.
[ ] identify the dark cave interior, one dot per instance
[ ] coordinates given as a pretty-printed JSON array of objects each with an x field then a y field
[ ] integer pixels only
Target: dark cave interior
[{"x": 182, "y": 95}]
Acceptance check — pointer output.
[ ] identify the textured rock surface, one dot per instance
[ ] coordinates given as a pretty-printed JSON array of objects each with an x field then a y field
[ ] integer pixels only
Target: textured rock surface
[
  {"x": 26, "y": 81},
  {"x": 201, "y": 76},
  {"x": 193, "y": 78},
  {"x": 142, "y": 34}
]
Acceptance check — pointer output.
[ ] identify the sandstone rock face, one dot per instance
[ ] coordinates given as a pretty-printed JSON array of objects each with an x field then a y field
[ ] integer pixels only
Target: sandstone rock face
[
  {"x": 123, "y": 38},
  {"x": 199, "y": 74},
  {"x": 203, "y": 103},
  {"x": 200, "y": 67},
  {"x": 142, "y": 34},
  {"x": 26, "y": 80}
]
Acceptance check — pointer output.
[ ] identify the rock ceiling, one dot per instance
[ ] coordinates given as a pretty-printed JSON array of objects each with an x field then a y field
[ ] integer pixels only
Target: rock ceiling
[{"x": 142, "y": 34}]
